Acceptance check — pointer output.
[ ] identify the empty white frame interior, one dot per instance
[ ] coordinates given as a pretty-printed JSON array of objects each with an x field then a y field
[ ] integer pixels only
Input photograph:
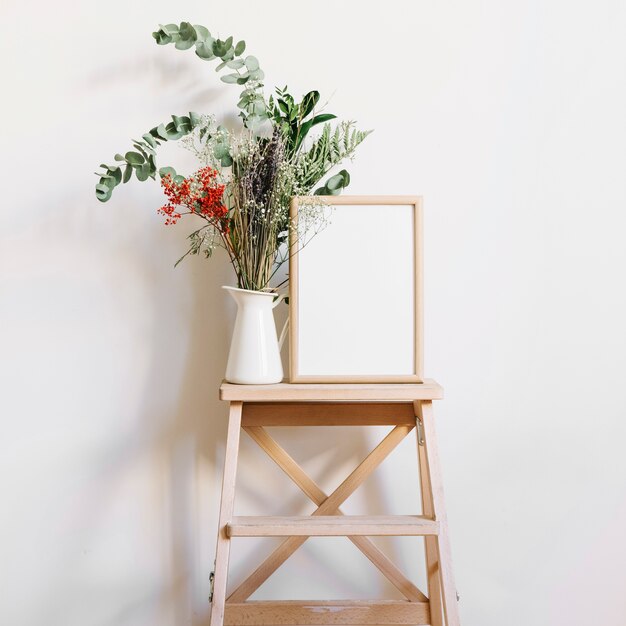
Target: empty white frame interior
[{"x": 355, "y": 293}]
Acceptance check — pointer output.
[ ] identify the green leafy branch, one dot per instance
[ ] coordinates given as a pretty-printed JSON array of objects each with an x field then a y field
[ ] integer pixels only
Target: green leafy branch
[
  {"x": 141, "y": 161},
  {"x": 246, "y": 69},
  {"x": 327, "y": 151},
  {"x": 296, "y": 120},
  {"x": 291, "y": 117}
]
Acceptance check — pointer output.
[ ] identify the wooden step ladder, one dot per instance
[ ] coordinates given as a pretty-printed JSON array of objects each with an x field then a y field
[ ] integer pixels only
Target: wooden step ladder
[{"x": 402, "y": 406}]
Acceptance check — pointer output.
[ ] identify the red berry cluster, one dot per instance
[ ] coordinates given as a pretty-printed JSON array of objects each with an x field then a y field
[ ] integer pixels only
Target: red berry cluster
[{"x": 199, "y": 193}]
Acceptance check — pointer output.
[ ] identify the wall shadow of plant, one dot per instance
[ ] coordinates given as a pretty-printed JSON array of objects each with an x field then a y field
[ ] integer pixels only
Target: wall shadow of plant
[
  {"x": 191, "y": 437},
  {"x": 165, "y": 74},
  {"x": 193, "y": 441}
]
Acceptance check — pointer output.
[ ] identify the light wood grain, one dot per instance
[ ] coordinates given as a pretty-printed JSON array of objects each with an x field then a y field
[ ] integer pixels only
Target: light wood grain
[
  {"x": 431, "y": 551},
  {"x": 378, "y": 558},
  {"x": 328, "y": 414},
  {"x": 371, "y": 200},
  {"x": 222, "y": 552},
  {"x": 331, "y": 526},
  {"x": 328, "y": 507},
  {"x": 418, "y": 359},
  {"x": 328, "y": 520},
  {"x": 314, "y": 613},
  {"x": 424, "y": 412},
  {"x": 336, "y": 392}
]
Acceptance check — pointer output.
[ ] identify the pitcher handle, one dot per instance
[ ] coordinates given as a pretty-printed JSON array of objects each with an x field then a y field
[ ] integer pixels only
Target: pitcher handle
[
  {"x": 283, "y": 332},
  {"x": 279, "y": 299}
]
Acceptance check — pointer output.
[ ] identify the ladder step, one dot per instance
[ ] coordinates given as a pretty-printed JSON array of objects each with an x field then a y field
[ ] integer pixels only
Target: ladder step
[
  {"x": 331, "y": 526},
  {"x": 314, "y": 613}
]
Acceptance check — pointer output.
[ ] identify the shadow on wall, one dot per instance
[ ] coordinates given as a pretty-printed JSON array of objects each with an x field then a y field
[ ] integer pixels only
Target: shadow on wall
[
  {"x": 163, "y": 74},
  {"x": 193, "y": 441},
  {"x": 188, "y": 434},
  {"x": 178, "y": 429},
  {"x": 193, "y": 436}
]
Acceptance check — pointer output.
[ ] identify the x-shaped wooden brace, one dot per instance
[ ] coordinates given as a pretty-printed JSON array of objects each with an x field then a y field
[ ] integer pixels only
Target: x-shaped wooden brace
[{"x": 327, "y": 505}]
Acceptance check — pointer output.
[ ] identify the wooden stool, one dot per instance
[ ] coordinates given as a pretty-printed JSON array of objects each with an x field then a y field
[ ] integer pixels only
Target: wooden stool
[{"x": 403, "y": 406}]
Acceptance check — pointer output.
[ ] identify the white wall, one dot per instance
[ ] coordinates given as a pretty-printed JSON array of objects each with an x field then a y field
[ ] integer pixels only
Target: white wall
[{"x": 507, "y": 116}]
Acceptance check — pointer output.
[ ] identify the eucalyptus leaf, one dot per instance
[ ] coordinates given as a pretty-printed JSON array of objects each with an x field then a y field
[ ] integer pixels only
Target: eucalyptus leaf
[
  {"x": 335, "y": 182},
  {"x": 161, "y": 131},
  {"x": 184, "y": 44},
  {"x": 204, "y": 50},
  {"x": 161, "y": 38},
  {"x": 252, "y": 63},
  {"x": 181, "y": 122},
  {"x": 240, "y": 47},
  {"x": 202, "y": 32},
  {"x": 134, "y": 158},
  {"x": 117, "y": 175},
  {"x": 149, "y": 139},
  {"x": 187, "y": 32},
  {"x": 219, "y": 48},
  {"x": 169, "y": 29},
  {"x": 128, "y": 172},
  {"x": 220, "y": 150},
  {"x": 142, "y": 172},
  {"x": 254, "y": 122},
  {"x": 103, "y": 193},
  {"x": 235, "y": 64},
  {"x": 230, "y": 54},
  {"x": 230, "y": 78},
  {"x": 172, "y": 132},
  {"x": 167, "y": 171},
  {"x": 141, "y": 150}
]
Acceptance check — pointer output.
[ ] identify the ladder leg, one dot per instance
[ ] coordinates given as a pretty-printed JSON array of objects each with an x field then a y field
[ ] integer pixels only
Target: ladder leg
[
  {"x": 442, "y": 590},
  {"x": 222, "y": 552},
  {"x": 430, "y": 543}
]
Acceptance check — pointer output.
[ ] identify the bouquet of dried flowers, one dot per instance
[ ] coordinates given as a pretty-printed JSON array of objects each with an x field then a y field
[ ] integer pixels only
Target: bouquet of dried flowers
[{"x": 242, "y": 188}]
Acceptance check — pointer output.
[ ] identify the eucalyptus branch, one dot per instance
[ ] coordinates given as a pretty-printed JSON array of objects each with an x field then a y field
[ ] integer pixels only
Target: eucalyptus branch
[
  {"x": 142, "y": 159},
  {"x": 185, "y": 36}
]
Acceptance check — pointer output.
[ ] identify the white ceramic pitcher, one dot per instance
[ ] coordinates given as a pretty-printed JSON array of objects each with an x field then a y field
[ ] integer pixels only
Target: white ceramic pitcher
[{"x": 254, "y": 357}]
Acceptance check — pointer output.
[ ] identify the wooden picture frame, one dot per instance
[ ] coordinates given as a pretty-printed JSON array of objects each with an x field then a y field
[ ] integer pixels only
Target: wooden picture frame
[{"x": 390, "y": 347}]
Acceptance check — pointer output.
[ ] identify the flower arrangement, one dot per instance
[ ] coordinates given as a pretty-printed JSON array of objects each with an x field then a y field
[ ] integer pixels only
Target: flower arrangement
[{"x": 241, "y": 190}]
